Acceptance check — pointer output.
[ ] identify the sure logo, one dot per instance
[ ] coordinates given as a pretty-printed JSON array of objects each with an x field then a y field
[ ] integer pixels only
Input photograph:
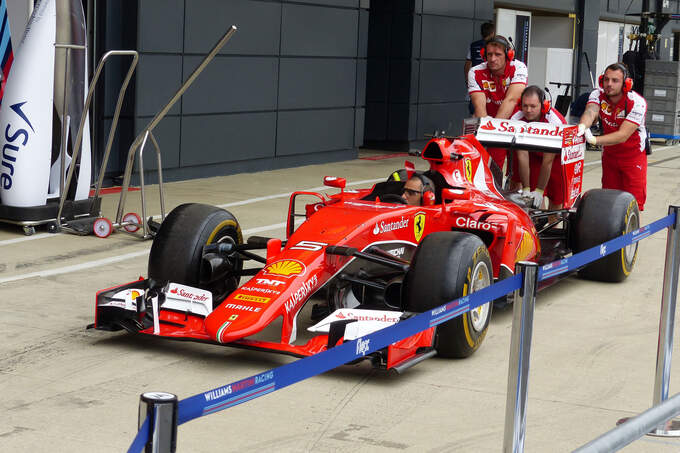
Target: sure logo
[{"x": 13, "y": 143}]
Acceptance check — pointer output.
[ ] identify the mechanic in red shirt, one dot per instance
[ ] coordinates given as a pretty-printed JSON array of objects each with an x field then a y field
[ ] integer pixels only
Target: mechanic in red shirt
[
  {"x": 496, "y": 85},
  {"x": 622, "y": 113},
  {"x": 539, "y": 173}
]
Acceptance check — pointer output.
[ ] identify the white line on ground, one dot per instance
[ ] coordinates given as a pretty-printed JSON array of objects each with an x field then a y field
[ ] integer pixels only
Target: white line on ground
[
  {"x": 226, "y": 205},
  {"x": 115, "y": 259},
  {"x": 25, "y": 238},
  {"x": 287, "y": 194}
]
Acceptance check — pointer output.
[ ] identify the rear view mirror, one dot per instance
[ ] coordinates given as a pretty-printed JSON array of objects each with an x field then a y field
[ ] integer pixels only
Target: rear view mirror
[
  {"x": 455, "y": 194},
  {"x": 333, "y": 181}
]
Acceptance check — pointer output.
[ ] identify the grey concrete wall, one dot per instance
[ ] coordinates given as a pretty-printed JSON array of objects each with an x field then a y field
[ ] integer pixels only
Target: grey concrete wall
[
  {"x": 288, "y": 89},
  {"x": 445, "y": 32},
  {"x": 415, "y": 81}
]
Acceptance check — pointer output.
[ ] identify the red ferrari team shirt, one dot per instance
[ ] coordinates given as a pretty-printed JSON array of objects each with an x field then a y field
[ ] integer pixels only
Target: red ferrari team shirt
[
  {"x": 480, "y": 80},
  {"x": 632, "y": 107}
]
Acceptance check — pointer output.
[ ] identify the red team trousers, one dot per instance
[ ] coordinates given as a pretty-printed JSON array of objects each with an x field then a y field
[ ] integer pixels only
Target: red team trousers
[{"x": 628, "y": 174}]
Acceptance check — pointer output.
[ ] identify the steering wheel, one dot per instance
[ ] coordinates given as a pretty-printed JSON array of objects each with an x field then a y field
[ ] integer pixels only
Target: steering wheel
[{"x": 392, "y": 198}]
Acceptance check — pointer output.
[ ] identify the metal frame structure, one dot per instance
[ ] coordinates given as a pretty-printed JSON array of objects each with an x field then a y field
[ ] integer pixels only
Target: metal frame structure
[
  {"x": 141, "y": 140},
  {"x": 66, "y": 182}
]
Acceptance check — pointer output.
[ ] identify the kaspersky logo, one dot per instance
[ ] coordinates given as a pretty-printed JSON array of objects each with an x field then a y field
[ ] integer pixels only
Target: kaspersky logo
[{"x": 14, "y": 142}]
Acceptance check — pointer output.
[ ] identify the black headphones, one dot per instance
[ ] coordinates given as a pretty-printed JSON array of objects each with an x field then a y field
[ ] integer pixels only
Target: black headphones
[{"x": 428, "y": 185}]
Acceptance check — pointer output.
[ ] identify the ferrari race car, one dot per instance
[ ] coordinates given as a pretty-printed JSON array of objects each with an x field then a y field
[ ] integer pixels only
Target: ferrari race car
[{"x": 358, "y": 261}]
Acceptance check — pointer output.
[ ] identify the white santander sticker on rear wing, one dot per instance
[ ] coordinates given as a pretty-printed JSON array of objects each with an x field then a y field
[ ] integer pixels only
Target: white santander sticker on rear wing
[
  {"x": 187, "y": 299},
  {"x": 534, "y": 135},
  {"x": 367, "y": 321}
]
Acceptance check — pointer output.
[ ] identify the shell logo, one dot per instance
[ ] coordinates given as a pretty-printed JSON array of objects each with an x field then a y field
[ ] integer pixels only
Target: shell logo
[
  {"x": 489, "y": 85},
  {"x": 606, "y": 108},
  {"x": 285, "y": 268},
  {"x": 526, "y": 247},
  {"x": 135, "y": 294}
]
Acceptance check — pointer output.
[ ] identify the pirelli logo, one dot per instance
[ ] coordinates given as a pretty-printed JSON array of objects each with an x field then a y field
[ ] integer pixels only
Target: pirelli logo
[{"x": 250, "y": 298}]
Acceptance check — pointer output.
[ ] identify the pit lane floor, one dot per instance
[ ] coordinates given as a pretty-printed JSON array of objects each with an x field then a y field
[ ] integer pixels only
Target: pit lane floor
[{"x": 68, "y": 389}]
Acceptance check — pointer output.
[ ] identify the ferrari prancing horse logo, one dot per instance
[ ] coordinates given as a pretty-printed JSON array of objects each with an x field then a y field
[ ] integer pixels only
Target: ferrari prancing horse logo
[
  {"x": 468, "y": 169},
  {"x": 418, "y": 225}
]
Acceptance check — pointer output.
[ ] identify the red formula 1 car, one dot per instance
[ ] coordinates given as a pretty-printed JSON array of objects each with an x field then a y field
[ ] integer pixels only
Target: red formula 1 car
[{"x": 362, "y": 260}]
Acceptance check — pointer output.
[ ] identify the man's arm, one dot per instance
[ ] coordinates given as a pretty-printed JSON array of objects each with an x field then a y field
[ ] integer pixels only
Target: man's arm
[
  {"x": 625, "y": 131},
  {"x": 511, "y": 97},
  {"x": 523, "y": 166},
  {"x": 466, "y": 70},
  {"x": 544, "y": 174},
  {"x": 479, "y": 103},
  {"x": 590, "y": 114}
]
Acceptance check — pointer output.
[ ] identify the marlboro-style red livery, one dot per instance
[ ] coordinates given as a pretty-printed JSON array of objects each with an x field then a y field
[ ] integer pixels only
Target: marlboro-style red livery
[{"x": 358, "y": 261}]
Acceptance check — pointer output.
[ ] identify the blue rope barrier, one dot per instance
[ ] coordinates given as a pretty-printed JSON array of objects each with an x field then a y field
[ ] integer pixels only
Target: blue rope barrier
[
  {"x": 261, "y": 384},
  {"x": 252, "y": 387},
  {"x": 594, "y": 253},
  {"x": 141, "y": 438}
]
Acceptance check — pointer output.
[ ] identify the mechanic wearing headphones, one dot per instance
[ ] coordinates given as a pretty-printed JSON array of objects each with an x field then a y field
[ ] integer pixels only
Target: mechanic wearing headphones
[
  {"x": 415, "y": 188},
  {"x": 622, "y": 111},
  {"x": 539, "y": 172},
  {"x": 495, "y": 85}
]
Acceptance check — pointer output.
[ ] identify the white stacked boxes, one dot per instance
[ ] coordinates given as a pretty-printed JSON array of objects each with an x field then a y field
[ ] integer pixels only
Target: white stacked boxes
[{"x": 662, "y": 92}]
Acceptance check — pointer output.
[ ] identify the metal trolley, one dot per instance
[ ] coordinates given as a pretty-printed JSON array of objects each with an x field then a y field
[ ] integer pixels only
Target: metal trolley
[{"x": 129, "y": 222}]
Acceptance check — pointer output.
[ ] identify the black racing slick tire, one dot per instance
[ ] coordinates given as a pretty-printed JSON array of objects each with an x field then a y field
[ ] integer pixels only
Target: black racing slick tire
[
  {"x": 446, "y": 266},
  {"x": 602, "y": 215},
  {"x": 177, "y": 249}
]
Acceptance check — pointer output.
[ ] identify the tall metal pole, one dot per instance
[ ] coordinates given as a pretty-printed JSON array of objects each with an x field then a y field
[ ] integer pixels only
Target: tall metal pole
[
  {"x": 667, "y": 322},
  {"x": 520, "y": 352}
]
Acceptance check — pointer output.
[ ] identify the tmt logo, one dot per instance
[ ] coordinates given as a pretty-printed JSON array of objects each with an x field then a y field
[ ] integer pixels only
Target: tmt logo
[{"x": 362, "y": 346}]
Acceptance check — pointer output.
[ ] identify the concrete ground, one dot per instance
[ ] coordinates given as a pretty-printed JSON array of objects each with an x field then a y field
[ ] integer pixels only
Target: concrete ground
[{"x": 65, "y": 388}]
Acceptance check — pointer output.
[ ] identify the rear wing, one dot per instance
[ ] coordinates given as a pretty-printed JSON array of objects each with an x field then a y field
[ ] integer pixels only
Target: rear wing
[{"x": 540, "y": 137}]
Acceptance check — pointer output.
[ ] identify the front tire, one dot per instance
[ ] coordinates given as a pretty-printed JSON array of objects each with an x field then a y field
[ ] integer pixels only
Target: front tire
[
  {"x": 602, "y": 215},
  {"x": 177, "y": 249},
  {"x": 446, "y": 266}
]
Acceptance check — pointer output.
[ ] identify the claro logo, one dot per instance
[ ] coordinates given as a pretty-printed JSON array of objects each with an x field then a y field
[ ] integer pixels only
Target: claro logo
[{"x": 13, "y": 143}]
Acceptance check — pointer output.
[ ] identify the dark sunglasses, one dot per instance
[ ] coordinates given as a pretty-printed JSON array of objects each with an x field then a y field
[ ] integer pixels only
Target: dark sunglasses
[{"x": 410, "y": 192}]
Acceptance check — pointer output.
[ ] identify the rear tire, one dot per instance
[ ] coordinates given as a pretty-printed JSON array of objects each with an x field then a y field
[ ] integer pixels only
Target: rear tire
[
  {"x": 177, "y": 249},
  {"x": 602, "y": 215},
  {"x": 446, "y": 266}
]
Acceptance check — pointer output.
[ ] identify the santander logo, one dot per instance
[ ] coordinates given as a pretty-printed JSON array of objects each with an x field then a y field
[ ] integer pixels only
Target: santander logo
[
  {"x": 488, "y": 126},
  {"x": 180, "y": 292}
]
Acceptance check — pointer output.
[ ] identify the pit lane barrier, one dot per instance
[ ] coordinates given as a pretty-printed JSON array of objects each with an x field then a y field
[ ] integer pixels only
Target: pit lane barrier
[{"x": 160, "y": 413}]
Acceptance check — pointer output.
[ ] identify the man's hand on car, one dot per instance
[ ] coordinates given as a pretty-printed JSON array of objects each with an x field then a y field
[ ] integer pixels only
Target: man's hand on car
[
  {"x": 590, "y": 138},
  {"x": 536, "y": 198}
]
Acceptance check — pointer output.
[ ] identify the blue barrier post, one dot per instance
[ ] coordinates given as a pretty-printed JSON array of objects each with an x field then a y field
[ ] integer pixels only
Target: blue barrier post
[
  {"x": 667, "y": 322},
  {"x": 160, "y": 409},
  {"x": 520, "y": 351}
]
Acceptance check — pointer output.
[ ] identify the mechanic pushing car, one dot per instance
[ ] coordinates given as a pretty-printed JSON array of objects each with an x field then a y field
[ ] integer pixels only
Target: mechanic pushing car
[
  {"x": 417, "y": 188},
  {"x": 624, "y": 139},
  {"x": 495, "y": 85},
  {"x": 539, "y": 173}
]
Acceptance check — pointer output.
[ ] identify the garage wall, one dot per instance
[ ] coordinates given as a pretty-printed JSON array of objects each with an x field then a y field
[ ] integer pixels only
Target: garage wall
[
  {"x": 415, "y": 80},
  {"x": 288, "y": 89}
]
